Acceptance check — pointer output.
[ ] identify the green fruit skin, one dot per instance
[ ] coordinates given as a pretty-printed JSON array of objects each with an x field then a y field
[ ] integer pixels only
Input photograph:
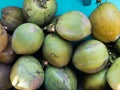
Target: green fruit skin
[
  {"x": 27, "y": 38},
  {"x": 56, "y": 50},
  {"x": 73, "y": 26},
  {"x": 60, "y": 79},
  {"x": 113, "y": 75},
  {"x": 12, "y": 17},
  {"x": 96, "y": 81},
  {"x": 90, "y": 57},
  {"x": 37, "y": 14},
  {"x": 27, "y": 73}
]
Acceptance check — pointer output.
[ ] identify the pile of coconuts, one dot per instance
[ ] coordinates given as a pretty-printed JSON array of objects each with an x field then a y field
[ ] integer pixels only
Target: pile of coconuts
[{"x": 42, "y": 51}]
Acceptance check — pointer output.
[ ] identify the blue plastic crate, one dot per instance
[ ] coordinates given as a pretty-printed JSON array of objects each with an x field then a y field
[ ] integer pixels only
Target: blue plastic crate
[{"x": 63, "y": 5}]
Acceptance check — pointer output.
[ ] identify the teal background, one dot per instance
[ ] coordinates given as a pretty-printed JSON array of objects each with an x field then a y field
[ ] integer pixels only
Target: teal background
[{"x": 63, "y": 5}]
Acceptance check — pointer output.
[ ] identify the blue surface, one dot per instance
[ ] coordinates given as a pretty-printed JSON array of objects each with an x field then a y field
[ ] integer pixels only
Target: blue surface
[{"x": 63, "y": 5}]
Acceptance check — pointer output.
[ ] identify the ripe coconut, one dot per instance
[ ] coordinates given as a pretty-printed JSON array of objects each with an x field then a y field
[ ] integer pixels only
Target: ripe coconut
[{"x": 105, "y": 20}]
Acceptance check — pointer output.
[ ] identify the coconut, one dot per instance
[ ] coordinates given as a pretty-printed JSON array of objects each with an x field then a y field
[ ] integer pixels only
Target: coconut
[
  {"x": 105, "y": 20},
  {"x": 96, "y": 81},
  {"x": 91, "y": 56},
  {"x": 12, "y": 17},
  {"x": 27, "y": 73},
  {"x": 64, "y": 79},
  {"x": 73, "y": 26},
  {"x": 56, "y": 50},
  {"x": 27, "y": 38},
  {"x": 113, "y": 75},
  {"x": 39, "y": 12}
]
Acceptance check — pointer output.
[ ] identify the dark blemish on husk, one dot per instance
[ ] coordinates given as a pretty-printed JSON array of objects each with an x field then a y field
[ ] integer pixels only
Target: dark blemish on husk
[
  {"x": 30, "y": 73},
  {"x": 38, "y": 72},
  {"x": 33, "y": 73},
  {"x": 41, "y": 3},
  {"x": 17, "y": 82}
]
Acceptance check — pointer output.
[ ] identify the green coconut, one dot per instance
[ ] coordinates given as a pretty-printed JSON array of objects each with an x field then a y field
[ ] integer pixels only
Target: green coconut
[
  {"x": 56, "y": 50},
  {"x": 91, "y": 56},
  {"x": 73, "y": 26},
  {"x": 39, "y": 12},
  {"x": 113, "y": 75},
  {"x": 60, "y": 79},
  {"x": 27, "y": 73},
  {"x": 96, "y": 81},
  {"x": 27, "y": 38}
]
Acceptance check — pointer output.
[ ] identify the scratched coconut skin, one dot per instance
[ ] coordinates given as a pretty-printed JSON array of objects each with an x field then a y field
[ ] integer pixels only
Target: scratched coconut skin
[
  {"x": 64, "y": 79},
  {"x": 27, "y": 73},
  {"x": 39, "y": 12}
]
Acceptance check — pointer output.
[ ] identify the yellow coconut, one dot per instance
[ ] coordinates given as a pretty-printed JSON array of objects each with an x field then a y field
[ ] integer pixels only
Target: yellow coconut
[{"x": 105, "y": 20}]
